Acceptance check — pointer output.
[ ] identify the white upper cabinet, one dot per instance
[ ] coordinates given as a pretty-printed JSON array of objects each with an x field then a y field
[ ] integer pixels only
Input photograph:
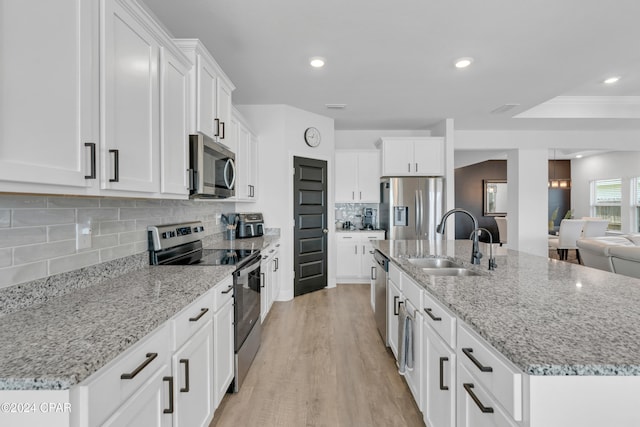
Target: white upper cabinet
[
  {"x": 49, "y": 87},
  {"x": 130, "y": 101},
  {"x": 423, "y": 156},
  {"x": 245, "y": 143},
  {"x": 357, "y": 177},
  {"x": 211, "y": 92},
  {"x": 174, "y": 101}
]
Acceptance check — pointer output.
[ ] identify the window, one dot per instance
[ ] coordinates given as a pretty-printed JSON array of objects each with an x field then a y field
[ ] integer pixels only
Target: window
[{"x": 606, "y": 201}]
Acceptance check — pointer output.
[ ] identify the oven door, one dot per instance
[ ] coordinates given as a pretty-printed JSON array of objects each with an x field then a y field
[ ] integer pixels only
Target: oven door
[{"x": 246, "y": 282}]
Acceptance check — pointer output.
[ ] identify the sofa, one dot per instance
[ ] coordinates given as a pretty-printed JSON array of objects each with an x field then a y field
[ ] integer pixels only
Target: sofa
[{"x": 617, "y": 254}]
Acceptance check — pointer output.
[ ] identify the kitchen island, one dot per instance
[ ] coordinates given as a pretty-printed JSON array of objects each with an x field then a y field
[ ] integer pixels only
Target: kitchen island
[{"x": 573, "y": 332}]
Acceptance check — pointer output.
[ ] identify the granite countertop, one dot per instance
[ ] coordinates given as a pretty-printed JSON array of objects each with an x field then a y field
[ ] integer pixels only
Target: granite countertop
[
  {"x": 548, "y": 317},
  {"x": 58, "y": 344}
]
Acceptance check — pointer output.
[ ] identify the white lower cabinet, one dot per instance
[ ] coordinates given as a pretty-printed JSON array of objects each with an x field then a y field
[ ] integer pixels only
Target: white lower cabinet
[
  {"x": 439, "y": 379},
  {"x": 393, "y": 300},
  {"x": 223, "y": 350},
  {"x": 153, "y": 405},
  {"x": 355, "y": 255},
  {"x": 193, "y": 376},
  {"x": 270, "y": 279}
]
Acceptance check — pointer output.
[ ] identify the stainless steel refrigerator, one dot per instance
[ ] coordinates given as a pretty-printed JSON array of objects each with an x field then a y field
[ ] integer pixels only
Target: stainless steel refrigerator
[{"x": 411, "y": 208}]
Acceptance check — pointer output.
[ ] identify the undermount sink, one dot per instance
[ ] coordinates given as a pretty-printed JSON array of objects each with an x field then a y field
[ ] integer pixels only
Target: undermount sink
[
  {"x": 450, "y": 271},
  {"x": 434, "y": 263},
  {"x": 442, "y": 267}
]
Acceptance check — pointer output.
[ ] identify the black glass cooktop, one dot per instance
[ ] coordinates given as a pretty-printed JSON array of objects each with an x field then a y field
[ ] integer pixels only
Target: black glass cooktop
[{"x": 225, "y": 256}]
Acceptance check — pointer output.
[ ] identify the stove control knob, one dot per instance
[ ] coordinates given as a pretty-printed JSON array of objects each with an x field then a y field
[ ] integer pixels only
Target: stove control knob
[{"x": 164, "y": 235}]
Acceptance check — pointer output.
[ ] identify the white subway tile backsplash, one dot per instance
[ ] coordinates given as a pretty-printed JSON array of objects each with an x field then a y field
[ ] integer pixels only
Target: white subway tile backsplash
[
  {"x": 73, "y": 262},
  {"x": 110, "y": 227},
  {"x": 32, "y": 217},
  {"x": 6, "y": 256},
  {"x": 22, "y": 273},
  {"x": 38, "y": 233},
  {"x": 61, "y": 232},
  {"x": 5, "y": 218},
  {"x": 115, "y": 252},
  {"x": 133, "y": 237},
  {"x": 22, "y": 202},
  {"x": 106, "y": 241},
  {"x": 72, "y": 202},
  {"x": 97, "y": 215},
  {"x": 21, "y": 236},
  {"x": 30, "y": 253}
]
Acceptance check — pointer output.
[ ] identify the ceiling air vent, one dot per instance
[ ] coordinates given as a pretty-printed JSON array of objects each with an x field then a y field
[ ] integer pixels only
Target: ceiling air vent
[
  {"x": 335, "y": 106},
  {"x": 504, "y": 108}
]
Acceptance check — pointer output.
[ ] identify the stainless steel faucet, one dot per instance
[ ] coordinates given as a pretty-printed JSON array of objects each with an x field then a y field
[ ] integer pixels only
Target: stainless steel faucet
[
  {"x": 475, "y": 250},
  {"x": 492, "y": 260}
]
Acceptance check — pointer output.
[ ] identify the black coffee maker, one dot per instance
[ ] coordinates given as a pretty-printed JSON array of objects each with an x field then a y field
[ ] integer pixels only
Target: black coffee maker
[{"x": 368, "y": 218}]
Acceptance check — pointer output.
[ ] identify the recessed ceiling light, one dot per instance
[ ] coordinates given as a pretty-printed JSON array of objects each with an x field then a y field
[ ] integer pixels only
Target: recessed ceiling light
[
  {"x": 612, "y": 80},
  {"x": 463, "y": 62},
  {"x": 578, "y": 156},
  {"x": 317, "y": 62}
]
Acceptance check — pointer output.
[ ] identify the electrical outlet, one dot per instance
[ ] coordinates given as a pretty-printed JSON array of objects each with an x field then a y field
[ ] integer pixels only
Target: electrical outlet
[{"x": 83, "y": 235}]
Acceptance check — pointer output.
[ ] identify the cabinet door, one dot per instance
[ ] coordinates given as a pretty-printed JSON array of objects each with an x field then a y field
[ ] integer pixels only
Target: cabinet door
[
  {"x": 349, "y": 256},
  {"x": 49, "y": 92},
  {"x": 429, "y": 157},
  {"x": 414, "y": 376},
  {"x": 223, "y": 108},
  {"x": 223, "y": 357},
  {"x": 346, "y": 177},
  {"x": 130, "y": 105},
  {"x": 275, "y": 278},
  {"x": 368, "y": 177},
  {"x": 393, "y": 298},
  {"x": 439, "y": 381},
  {"x": 193, "y": 373},
  {"x": 265, "y": 286},
  {"x": 397, "y": 158},
  {"x": 148, "y": 405},
  {"x": 174, "y": 101},
  {"x": 206, "y": 98},
  {"x": 243, "y": 164}
]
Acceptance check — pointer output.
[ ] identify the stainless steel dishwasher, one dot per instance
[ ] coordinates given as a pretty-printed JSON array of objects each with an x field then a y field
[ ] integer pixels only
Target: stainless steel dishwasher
[{"x": 380, "y": 276}]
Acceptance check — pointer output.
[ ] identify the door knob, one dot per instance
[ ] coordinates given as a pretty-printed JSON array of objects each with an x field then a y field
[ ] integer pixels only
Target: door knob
[{"x": 325, "y": 231}]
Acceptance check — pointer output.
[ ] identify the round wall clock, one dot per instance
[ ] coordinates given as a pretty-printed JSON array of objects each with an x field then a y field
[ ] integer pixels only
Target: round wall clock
[{"x": 312, "y": 137}]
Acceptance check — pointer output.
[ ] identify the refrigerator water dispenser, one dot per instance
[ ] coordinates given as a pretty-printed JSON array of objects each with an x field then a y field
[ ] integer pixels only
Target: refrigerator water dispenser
[{"x": 400, "y": 216}]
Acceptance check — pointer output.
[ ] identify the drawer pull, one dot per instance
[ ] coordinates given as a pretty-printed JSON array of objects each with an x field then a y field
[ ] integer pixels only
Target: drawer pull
[
  {"x": 185, "y": 389},
  {"x": 395, "y": 305},
  {"x": 229, "y": 289},
  {"x": 442, "y": 360},
  {"x": 433, "y": 317},
  {"x": 149, "y": 359},
  {"x": 467, "y": 352},
  {"x": 484, "y": 409},
  {"x": 170, "y": 381},
  {"x": 203, "y": 311}
]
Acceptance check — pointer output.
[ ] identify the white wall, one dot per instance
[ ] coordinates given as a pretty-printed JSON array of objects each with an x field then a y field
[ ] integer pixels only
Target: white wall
[
  {"x": 280, "y": 129},
  {"x": 366, "y": 139},
  {"x": 620, "y": 164}
]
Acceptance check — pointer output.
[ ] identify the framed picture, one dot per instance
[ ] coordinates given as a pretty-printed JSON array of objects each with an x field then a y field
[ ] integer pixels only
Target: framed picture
[{"x": 495, "y": 197}]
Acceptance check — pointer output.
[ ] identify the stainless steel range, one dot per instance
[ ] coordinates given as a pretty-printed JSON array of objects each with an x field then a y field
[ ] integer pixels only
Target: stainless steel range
[{"x": 181, "y": 244}]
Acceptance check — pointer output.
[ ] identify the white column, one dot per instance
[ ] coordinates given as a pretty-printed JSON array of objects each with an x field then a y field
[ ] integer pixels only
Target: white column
[{"x": 527, "y": 175}]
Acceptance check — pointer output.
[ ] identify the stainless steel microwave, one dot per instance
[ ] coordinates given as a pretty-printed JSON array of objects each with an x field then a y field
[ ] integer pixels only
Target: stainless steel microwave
[{"x": 212, "y": 169}]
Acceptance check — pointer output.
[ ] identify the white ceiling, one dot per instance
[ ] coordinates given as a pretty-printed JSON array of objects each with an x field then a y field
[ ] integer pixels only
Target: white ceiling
[{"x": 392, "y": 62}]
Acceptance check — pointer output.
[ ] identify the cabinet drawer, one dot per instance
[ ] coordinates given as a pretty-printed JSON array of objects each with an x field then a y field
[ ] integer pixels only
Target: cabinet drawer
[
  {"x": 492, "y": 371},
  {"x": 190, "y": 319},
  {"x": 411, "y": 290},
  {"x": 394, "y": 275},
  {"x": 439, "y": 319},
  {"x": 106, "y": 390},
  {"x": 222, "y": 293},
  {"x": 354, "y": 237},
  {"x": 376, "y": 235},
  {"x": 473, "y": 398}
]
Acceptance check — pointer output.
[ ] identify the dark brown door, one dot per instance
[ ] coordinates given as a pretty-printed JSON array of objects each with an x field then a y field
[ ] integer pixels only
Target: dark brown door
[{"x": 310, "y": 235}]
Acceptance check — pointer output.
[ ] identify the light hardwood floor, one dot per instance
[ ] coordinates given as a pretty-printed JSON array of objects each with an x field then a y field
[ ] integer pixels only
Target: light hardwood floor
[{"x": 321, "y": 363}]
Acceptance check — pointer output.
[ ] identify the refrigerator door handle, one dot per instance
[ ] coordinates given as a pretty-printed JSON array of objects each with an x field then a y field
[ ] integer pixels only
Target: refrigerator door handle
[
  {"x": 416, "y": 202},
  {"x": 421, "y": 204}
]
